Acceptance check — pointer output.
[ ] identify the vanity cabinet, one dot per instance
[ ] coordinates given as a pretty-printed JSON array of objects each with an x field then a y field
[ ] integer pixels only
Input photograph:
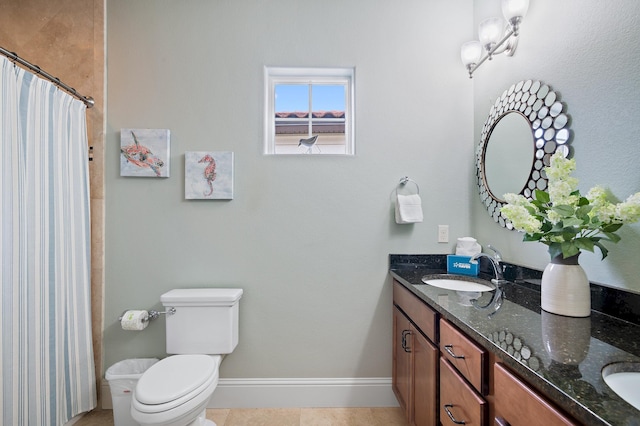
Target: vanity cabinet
[
  {"x": 415, "y": 358},
  {"x": 443, "y": 377},
  {"x": 517, "y": 404}
]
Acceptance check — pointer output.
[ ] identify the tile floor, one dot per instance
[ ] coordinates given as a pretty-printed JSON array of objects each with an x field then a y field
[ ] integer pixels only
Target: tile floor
[{"x": 282, "y": 417}]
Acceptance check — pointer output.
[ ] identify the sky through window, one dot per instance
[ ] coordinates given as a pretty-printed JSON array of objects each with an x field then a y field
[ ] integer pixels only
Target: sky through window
[{"x": 295, "y": 97}]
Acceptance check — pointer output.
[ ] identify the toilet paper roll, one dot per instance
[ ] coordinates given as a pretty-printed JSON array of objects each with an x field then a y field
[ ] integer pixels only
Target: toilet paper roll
[{"x": 134, "y": 320}]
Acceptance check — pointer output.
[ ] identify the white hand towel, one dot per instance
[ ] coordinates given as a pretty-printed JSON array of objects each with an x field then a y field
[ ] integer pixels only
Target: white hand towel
[{"x": 408, "y": 208}]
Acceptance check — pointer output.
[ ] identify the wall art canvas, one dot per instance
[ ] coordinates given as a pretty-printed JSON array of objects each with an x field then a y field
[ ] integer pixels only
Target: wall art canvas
[
  {"x": 208, "y": 175},
  {"x": 144, "y": 152}
]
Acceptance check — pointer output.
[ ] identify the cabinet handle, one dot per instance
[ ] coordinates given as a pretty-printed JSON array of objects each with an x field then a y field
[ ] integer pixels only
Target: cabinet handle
[
  {"x": 405, "y": 333},
  {"x": 453, "y": 419},
  {"x": 449, "y": 350},
  {"x": 501, "y": 422}
]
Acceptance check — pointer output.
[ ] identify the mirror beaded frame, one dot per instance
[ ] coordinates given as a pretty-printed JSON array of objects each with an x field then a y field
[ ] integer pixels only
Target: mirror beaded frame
[{"x": 550, "y": 132}]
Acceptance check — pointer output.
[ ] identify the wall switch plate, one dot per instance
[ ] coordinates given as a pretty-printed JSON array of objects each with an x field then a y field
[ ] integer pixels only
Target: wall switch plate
[{"x": 443, "y": 233}]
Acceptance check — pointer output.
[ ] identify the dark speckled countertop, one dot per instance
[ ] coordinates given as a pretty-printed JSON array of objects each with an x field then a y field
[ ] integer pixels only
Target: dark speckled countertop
[{"x": 561, "y": 357}]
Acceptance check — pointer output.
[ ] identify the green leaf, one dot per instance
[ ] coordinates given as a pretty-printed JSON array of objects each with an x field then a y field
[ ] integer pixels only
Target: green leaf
[
  {"x": 573, "y": 221},
  {"x": 614, "y": 238},
  {"x": 583, "y": 202},
  {"x": 541, "y": 207},
  {"x": 564, "y": 210},
  {"x": 585, "y": 244},
  {"x": 569, "y": 232},
  {"x": 532, "y": 210},
  {"x": 532, "y": 237},
  {"x": 569, "y": 249},
  {"x": 557, "y": 227},
  {"x": 612, "y": 227},
  {"x": 583, "y": 211},
  {"x": 603, "y": 250},
  {"x": 555, "y": 249},
  {"x": 541, "y": 196}
]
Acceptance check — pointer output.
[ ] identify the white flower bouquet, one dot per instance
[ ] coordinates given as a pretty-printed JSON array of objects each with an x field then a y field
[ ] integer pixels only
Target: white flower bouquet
[{"x": 565, "y": 220}]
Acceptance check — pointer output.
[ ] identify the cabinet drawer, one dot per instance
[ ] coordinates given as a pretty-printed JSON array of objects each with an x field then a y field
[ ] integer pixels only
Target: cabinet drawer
[
  {"x": 517, "y": 404},
  {"x": 465, "y": 355},
  {"x": 459, "y": 402},
  {"x": 421, "y": 314}
]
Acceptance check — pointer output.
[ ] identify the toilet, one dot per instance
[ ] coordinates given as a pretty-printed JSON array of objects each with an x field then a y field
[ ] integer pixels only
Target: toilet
[{"x": 204, "y": 327}]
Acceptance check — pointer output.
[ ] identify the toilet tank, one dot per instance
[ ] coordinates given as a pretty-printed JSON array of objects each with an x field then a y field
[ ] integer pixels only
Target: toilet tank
[{"x": 205, "y": 320}]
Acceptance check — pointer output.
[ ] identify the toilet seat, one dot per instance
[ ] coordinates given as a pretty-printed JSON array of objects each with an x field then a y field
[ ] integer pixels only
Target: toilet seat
[{"x": 178, "y": 382}]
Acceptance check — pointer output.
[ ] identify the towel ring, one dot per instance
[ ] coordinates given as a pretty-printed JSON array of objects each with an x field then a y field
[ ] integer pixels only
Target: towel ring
[{"x": 404, "y": 180}]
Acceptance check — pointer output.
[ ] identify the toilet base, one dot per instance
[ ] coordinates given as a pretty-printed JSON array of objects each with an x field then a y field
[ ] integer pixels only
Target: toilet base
[{"x": 202, "y": 420}]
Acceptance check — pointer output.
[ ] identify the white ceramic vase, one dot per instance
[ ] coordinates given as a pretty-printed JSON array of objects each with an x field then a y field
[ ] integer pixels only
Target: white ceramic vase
[{"x": 565, "y": 288}]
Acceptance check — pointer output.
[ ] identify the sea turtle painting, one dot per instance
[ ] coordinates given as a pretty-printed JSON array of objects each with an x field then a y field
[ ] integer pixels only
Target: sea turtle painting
[{"x": 144, "y": 152}]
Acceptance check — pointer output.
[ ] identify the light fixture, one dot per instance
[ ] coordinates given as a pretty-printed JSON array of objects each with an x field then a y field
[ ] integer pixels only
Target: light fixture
[{"x": 495, "y": 37}]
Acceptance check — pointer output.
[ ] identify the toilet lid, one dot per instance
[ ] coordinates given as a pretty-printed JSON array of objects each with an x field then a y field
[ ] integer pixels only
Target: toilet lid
[{"x": 174, "y": 377}]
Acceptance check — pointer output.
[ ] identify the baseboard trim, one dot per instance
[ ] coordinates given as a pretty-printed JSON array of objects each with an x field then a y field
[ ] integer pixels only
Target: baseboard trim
[
  {"x": 305, "y": 392},
  {"x": 295, "y": 393},
  {"x": 105, "y": 396}
]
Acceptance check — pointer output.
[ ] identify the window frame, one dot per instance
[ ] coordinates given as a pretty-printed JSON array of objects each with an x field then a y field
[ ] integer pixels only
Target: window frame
[{"x": 311, "y": 76}]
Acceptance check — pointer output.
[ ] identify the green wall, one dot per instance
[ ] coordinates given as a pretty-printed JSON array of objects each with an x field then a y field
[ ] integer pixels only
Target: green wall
[{"x": 307, "y": 238}]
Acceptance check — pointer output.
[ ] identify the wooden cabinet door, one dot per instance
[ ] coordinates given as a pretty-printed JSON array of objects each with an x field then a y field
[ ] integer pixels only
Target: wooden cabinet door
[
  {"x": 519, "y": 405},
  {"x": 425, "y": 381},
  {"x": 401, "y": 379}
]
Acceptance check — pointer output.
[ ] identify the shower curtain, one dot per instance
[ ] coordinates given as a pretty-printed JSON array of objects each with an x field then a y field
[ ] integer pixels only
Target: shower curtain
[{"x": 46, "y": 356}]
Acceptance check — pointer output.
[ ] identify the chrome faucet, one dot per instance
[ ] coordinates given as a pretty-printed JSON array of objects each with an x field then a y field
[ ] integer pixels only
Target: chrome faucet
[
  {"x": 496, "y": 254},
  {"x": 496, "y": 299},
  {"x": 495, "y": 262}
]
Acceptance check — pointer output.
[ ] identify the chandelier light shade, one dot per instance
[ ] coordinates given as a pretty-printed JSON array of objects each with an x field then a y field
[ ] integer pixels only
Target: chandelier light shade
[
  {"x": 514, "y": 11},
  {"x": 490, "y": 32},
  {"x": 471, "y": 53},
  {"x": 495, "y": 37}
]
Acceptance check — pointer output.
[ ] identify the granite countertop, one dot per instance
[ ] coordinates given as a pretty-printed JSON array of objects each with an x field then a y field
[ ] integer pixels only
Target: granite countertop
[{"x": 561, "y": 357}]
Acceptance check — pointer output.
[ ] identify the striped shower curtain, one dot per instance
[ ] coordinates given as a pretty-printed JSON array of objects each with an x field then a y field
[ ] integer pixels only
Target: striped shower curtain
[{"x": 46, "y": 356}]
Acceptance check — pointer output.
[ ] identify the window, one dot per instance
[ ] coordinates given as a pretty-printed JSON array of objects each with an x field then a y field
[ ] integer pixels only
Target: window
[{"x": 309, "y": 111}]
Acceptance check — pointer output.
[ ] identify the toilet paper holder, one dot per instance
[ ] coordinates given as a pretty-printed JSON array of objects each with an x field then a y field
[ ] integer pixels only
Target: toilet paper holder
[{"x": 153, "y": 314}]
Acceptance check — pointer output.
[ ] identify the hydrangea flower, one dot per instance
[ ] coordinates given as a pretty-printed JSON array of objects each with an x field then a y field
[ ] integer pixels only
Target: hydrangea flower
[
  {"x": 629, "y": 210},
  {"x": 565, "y": 220}
]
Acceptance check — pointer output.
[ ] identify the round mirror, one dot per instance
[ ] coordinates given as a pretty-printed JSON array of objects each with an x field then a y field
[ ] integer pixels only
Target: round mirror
[
  {"x": 509, "y": 156},
  {"x": 525, "y": 126}
]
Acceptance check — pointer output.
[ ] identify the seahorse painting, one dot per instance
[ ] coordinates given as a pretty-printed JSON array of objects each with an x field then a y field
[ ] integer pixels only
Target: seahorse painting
[
  {"x": 209, "y": 172},
  {"x": 208, "y": 175},
  {"x": 141, "y": 156}
]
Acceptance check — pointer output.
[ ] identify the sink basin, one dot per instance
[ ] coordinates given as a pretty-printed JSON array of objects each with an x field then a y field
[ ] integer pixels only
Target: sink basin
[
  {"x": 624, "y": 379},
  {"x": 456, "y": 284}
]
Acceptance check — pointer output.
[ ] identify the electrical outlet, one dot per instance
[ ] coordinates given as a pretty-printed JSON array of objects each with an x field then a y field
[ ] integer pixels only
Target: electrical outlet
[{"x": 443, "y": 233}]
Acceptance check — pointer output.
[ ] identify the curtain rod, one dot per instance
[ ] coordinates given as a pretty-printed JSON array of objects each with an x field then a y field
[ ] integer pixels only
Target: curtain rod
[{"x": 88, "y": 100}]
